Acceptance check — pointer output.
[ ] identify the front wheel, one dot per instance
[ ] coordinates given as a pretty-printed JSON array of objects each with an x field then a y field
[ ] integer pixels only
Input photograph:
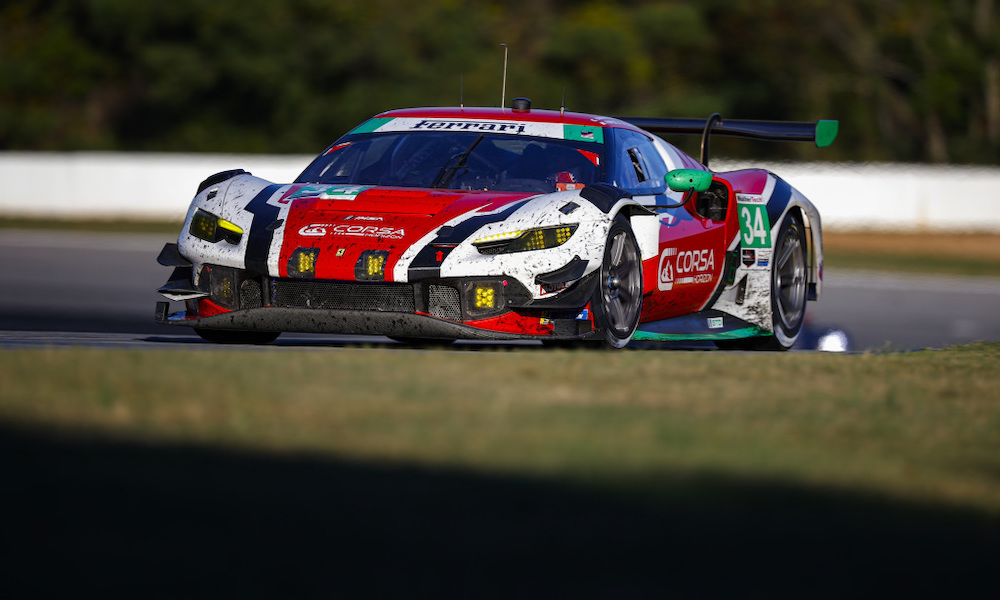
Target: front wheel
[
  {"x": 617, "y": 301},
  {"x": 234, "y": 336}
]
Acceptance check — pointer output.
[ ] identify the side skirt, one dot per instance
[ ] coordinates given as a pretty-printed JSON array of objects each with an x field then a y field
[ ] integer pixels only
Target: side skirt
[{"x": 704, "y": 325}]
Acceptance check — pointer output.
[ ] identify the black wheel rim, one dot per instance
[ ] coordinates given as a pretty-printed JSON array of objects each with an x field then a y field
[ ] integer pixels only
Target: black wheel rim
[{"x": 621, "y": 285}]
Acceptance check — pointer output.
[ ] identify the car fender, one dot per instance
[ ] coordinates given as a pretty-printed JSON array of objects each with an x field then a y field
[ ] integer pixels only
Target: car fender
[
  {"x": 748, "y": 297},
  {"x": 234, "y": 200}
]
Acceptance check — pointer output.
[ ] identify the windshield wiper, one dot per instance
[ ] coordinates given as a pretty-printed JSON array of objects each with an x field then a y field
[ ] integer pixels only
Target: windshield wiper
[{"x": 449, "y": 170}]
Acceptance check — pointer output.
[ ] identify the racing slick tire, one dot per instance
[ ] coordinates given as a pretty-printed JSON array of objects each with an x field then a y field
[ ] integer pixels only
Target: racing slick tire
[
  {"x": 617, "y": 301},
  {"x": 233, "y": 336},
  {"x": 789, "y": 280}
]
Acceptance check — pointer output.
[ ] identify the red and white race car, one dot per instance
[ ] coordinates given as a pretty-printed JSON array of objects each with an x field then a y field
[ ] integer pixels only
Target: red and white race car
[{"x": 495, "y": 223}]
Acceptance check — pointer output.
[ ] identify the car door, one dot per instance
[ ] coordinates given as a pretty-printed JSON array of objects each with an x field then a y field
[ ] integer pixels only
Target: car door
[{"x": 692, "y": 237}]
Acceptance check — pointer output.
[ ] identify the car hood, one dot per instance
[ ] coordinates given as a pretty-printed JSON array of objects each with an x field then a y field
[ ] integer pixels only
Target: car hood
[{"x": 342, "y": 225}]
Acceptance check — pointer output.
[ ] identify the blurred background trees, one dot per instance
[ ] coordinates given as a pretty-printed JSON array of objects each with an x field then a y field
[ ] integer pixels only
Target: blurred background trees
[{"x": 909, "y": 81}]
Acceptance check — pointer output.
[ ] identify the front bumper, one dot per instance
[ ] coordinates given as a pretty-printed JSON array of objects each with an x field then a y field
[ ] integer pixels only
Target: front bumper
[{"x": 450, "y": 309}]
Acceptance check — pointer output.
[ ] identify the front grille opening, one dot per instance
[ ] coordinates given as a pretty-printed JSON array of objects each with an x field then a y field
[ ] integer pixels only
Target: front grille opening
[
  {"x": 250, "y": 296},
  {"x": 444, "y": 302},
  {"x": 342, "y": 295}
]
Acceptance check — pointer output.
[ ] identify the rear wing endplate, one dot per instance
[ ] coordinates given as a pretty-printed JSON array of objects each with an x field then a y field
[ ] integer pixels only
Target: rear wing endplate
[{"x": 821, "y": 132}]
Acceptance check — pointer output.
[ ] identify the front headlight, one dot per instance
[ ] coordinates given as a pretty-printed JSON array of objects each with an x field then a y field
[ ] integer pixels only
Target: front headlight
[
  {"x": 206, "y": 226},
  {"x": 539, "y": 238}
]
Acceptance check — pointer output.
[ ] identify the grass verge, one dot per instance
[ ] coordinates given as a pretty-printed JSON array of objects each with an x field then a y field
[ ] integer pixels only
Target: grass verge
[
  {"x": 974, "y": 254},
  {"x": 921, "y": 426}
]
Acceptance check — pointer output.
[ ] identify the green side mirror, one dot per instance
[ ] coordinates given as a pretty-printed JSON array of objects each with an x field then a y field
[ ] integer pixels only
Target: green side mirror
[{"x": 682, "y": 180}]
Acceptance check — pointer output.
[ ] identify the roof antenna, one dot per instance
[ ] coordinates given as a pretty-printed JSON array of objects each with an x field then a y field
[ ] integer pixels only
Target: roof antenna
[
  {"x": 461, "y": 91},
  {"x": 503, "y": 91},
  {"x": 562, "y": 107}
]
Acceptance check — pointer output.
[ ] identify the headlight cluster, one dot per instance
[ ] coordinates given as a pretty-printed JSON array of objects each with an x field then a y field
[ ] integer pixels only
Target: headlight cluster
[
  {"x": 539, "y": 238},
  {"x": 206, "y": 226}
]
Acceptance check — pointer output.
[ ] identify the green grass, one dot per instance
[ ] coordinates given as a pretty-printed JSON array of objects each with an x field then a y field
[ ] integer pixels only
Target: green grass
[
  {"x": 909, "y": 263},
  {"x": 972, "y": 254},
  {"x": 920, "y": 426}
]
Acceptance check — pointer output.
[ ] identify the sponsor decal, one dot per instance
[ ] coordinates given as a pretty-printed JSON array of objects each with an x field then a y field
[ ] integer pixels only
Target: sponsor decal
[
  {"x": 362, "y": 218},
  {"x": 763, "y": 258},
  {"x": 340, "y": 252},
  {"x": 666, "y": 279},
  {"x": 715, "y": 323},
  {"x": 549, "y": 130},
  {"x": 583, "y": 316},
  {"x": 315, "y": 230},
  {"x": 584, "y": 133},
  {"x": 321, "y": 229},
  {"x": 749, "y": 256},
  {"x": 750, "y": 199},
  {"x": 755, "y": 225},
  {"x": 695, "y": 261},
  {"x": 329, "y": 192},
  {"x": 581, "y": 133},
  {"x": 689, "y": 266},
  {"x": 451, "y": 125}
]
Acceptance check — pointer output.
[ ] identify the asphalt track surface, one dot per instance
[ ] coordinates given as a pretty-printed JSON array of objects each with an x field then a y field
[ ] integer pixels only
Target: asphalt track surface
[{"x": 79, "y": 288}]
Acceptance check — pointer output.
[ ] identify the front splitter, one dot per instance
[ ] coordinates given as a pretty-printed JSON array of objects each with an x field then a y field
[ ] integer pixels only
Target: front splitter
[{"x": 308, "y": 320}]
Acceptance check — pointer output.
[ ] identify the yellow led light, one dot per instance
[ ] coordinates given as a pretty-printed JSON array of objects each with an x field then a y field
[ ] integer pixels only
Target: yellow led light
[
  {"x": 562, "y": 235},
  {"x": 203, "y": 225},
  {"x": 224, "y": 224},
  {"x": 307, "y": 262},
  {"x": 498, "y": 237},
  {"x": 485, "y": 297},
  {"x": 540, "y": 238},
  {"x": 376, "y": 263},
  {"x": 534, "y": 240},
  {"x": 226, "y": 289}
]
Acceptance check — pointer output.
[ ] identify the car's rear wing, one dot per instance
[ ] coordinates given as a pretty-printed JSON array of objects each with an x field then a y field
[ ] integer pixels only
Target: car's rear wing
[{"x": 821, "y": 132}]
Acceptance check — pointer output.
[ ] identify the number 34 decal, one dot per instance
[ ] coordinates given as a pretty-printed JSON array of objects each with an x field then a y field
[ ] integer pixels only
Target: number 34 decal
[{"x": 755, "y": 226}]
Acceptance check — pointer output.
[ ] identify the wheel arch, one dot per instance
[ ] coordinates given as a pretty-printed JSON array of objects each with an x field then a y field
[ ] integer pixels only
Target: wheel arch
[{"x": 810, "y": 218}]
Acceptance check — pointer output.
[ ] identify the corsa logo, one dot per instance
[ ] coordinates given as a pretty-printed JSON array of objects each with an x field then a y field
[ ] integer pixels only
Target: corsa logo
[
  {"x": 319, "y": 230},
  {"x": 690, "y": 266},
  {"x": 666, "y": 279}
]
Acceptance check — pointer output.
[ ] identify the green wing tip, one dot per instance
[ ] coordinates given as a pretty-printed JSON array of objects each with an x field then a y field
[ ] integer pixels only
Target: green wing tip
[{"x": 826, "y": 132}]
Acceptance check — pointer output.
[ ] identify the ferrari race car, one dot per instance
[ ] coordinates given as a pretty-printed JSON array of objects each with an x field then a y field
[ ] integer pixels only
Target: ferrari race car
[{"x": 500, "y": 224}]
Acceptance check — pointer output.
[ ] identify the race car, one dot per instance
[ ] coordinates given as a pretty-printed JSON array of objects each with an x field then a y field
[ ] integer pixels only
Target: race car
[{"x": 501, "y": 224}]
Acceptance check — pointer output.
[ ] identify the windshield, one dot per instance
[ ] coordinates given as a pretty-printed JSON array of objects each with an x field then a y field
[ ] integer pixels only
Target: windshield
[{"x": 459, "y": 160}]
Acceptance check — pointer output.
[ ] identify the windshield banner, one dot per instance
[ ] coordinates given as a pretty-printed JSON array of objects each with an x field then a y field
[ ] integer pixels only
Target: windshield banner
[{"x": 549, "y": 130}]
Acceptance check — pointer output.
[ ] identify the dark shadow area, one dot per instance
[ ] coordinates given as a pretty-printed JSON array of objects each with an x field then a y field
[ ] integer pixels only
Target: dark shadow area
[{"x": 82, "y": 516}]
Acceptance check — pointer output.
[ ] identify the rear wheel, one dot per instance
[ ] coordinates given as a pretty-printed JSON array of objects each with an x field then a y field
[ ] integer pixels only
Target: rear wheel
[
  {"x": 617, "y": 301},
  {"x": 789, "y": 280},
  {"x": 234, "y": 336}
]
